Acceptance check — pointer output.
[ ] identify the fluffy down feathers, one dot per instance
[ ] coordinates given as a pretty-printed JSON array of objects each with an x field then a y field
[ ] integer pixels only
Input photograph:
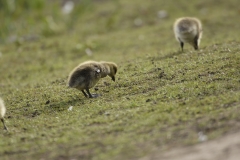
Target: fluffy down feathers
[
  {"x": 188, "y": 30},
  {"x": 2, "y": 109},
  {"x": 87, "y": 74}
]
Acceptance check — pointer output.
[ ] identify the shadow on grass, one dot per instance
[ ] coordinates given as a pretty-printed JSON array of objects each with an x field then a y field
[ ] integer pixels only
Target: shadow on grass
[{"x": 52, "y": 107}]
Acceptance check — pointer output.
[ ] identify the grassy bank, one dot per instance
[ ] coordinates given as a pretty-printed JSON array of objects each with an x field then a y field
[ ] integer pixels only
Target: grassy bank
[{"x": 162, "y": 97}]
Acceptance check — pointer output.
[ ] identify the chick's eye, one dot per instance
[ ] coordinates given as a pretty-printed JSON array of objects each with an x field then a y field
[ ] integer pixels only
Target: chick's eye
[{"x": 98, "y": 70}]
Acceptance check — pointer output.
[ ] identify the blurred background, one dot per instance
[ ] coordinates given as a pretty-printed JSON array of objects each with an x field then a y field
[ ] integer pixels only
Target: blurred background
[
  {"x": 31, "y": 19},
  {"x": 27, "y": 20}
]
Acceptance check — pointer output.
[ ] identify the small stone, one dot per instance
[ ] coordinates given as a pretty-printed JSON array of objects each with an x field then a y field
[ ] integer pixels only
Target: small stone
[
  {"x": 70, "y": 108},
  {"x": 202, "y": 137},
  {"x": 107, "y": 113},
  {"x": 68, "y": 7},
  {"x": 162, "y": 14},
  {"x": 88, "y": 52},
  {"x": 138, "y": 22}
]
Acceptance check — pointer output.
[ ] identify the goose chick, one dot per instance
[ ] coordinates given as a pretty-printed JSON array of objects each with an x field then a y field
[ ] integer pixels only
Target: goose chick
[
  {"x": 188, "y": 30},
  {"x": 87, "y": 74},
  {"x": 2, "y": 113}
]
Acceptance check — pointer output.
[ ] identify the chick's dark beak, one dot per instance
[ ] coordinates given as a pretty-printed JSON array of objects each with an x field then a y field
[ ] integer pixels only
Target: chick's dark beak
[
  {"x": 113, "y": 78},
  {"x": 196, "y": 47}
]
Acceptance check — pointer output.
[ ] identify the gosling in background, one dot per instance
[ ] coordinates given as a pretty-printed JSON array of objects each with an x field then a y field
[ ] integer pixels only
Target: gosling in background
[
  {"x": 87, "y": 74},
  {"x": 188, "y": 30},
  {"x": 2, "y": 113}
]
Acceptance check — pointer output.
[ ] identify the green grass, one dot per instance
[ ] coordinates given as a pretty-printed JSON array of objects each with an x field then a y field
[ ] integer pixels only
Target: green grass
[{"x": 161, "y": 98}]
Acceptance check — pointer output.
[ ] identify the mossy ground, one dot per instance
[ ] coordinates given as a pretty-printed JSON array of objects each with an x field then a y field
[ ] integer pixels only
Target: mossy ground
[{"x": 161, "y": 98}]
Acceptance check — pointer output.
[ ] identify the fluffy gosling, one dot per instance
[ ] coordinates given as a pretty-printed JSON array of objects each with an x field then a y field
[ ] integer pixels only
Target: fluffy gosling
[
  {"x": 2, "y": 113},
  {"x": 87, "y": 74},
  {"x": 188, "y": 30}
]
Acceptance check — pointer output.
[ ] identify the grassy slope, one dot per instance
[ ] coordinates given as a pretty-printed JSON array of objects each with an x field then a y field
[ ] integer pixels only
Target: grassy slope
[{"x": 162, "y": 97}]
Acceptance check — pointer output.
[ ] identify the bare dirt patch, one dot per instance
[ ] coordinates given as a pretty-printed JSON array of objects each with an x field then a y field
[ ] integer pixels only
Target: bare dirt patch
[{"x": 224, "y": 148}]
